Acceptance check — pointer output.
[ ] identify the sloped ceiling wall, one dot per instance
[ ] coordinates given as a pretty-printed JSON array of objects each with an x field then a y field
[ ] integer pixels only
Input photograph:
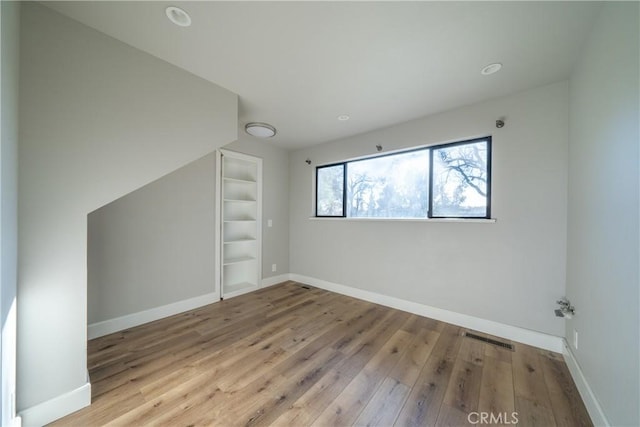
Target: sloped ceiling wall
[{"x": 98, "y": 119}]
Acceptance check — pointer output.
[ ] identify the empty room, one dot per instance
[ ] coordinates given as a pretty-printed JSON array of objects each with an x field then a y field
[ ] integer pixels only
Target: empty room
[{"x": 331, "y": 213}]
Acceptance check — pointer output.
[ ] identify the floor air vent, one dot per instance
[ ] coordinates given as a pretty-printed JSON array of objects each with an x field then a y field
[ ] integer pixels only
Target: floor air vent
[
  {"x": 489, "y": 341},
  {"x": 305, "y": 287}
]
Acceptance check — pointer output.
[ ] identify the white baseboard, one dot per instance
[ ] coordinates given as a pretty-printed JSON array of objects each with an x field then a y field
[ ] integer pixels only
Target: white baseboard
[
  {"x": 270, "y": 281},
  {"x": 593, "y": 407},
  {"x": 53, "y": 409},
  {"x": 514, "y": 333},
  {"x": 110, "y": 326},
  {"x": 15, "y": 421}
]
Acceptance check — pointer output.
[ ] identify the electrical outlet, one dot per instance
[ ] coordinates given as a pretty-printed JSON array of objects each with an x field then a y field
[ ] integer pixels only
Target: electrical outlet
[
  {"x": 274, "y": 267},
  {"x": 575, "y": 339},
  {"x": 269, "y": 223}
]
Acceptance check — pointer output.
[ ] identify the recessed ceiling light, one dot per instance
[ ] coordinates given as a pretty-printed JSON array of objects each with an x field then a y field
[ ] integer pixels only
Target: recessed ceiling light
[
  {"x": 343, "y": 117},
  {"x": 178, "y": 16},
  {"x": 491, "y": 68},
  {"x": 260, "y": 130}
]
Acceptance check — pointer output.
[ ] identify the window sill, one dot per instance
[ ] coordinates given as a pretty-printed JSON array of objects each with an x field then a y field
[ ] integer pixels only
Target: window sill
[{"x": 452, "y": 220}]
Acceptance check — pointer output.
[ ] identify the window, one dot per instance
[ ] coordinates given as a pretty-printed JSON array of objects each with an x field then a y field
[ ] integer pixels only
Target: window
[
  {"x": 460, "y": 180},
  {"x": 330, "y": 190},
  {"x": 393, "y": 186},
  {"x": 443, "y": 181}
]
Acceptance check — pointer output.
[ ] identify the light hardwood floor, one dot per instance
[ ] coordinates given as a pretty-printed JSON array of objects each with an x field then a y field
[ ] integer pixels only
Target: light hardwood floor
[{"x": 292, "y": 355}]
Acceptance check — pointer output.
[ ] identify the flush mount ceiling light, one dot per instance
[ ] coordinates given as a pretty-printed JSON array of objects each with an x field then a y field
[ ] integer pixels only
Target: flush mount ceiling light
[
  {"x": 491, "y": 68},
  {"x": 260, "y": 130},
  {"x": 178, "y": 16},
  {"x": 343, "y": 117}
]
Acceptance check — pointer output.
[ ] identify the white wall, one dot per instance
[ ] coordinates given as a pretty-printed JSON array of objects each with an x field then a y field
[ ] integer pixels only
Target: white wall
[
  {"x": 603, "y": 232},
  {"x": 10, "y": 29},
  {"x": 510, "y": 271},
  {"x": 275, "y": 201},
  {"x": 154, "y": 246},
  {"x": 98, "y": 119}
]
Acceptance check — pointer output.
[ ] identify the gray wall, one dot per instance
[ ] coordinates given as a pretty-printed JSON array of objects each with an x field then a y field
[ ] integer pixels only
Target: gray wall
[
  {"x": 10, "y": 26},
  {"x": 98, "y": 119},
  {"x": 154, "y": 246},
  {"x": 603, "y": 254},
  {"x": 511, "y": 271},
  {"x": 275, "y": 201}
]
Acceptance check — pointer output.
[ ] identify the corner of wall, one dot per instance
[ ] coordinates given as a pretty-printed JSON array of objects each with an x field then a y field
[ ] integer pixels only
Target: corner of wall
[{"x": 593, "y": 406}]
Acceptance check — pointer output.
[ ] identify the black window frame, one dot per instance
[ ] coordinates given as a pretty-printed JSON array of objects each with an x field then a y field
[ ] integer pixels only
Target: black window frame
[
  {"x": 344, "y": 190},
  {"x": 430, "y": 149}
]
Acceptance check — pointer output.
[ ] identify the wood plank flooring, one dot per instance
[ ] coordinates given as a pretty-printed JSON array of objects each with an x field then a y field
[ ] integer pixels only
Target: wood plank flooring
[{"x": 294, "y": 355}]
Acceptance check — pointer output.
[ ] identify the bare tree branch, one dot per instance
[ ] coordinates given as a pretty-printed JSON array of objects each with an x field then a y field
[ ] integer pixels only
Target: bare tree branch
[{"x": 467, "y": 166}]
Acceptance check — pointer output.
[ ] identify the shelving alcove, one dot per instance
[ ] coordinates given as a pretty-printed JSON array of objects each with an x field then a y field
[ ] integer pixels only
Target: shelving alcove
[{"x": 239, "y": 223}]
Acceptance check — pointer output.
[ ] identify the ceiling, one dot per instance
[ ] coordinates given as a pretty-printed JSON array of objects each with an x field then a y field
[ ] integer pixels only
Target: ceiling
[{"x": 299, "y": 65}]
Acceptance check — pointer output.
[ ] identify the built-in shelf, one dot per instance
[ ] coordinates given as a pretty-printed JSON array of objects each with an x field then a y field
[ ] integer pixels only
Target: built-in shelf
[
  {"x": 238, "y": 260},
  {"x": 248, "y": 239},
  {"x": 238, "y": 201},
  {"x": 240, "y": 221},
  {"x": 238, "y": 289},
  {"x": 239, "y": 181}
]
